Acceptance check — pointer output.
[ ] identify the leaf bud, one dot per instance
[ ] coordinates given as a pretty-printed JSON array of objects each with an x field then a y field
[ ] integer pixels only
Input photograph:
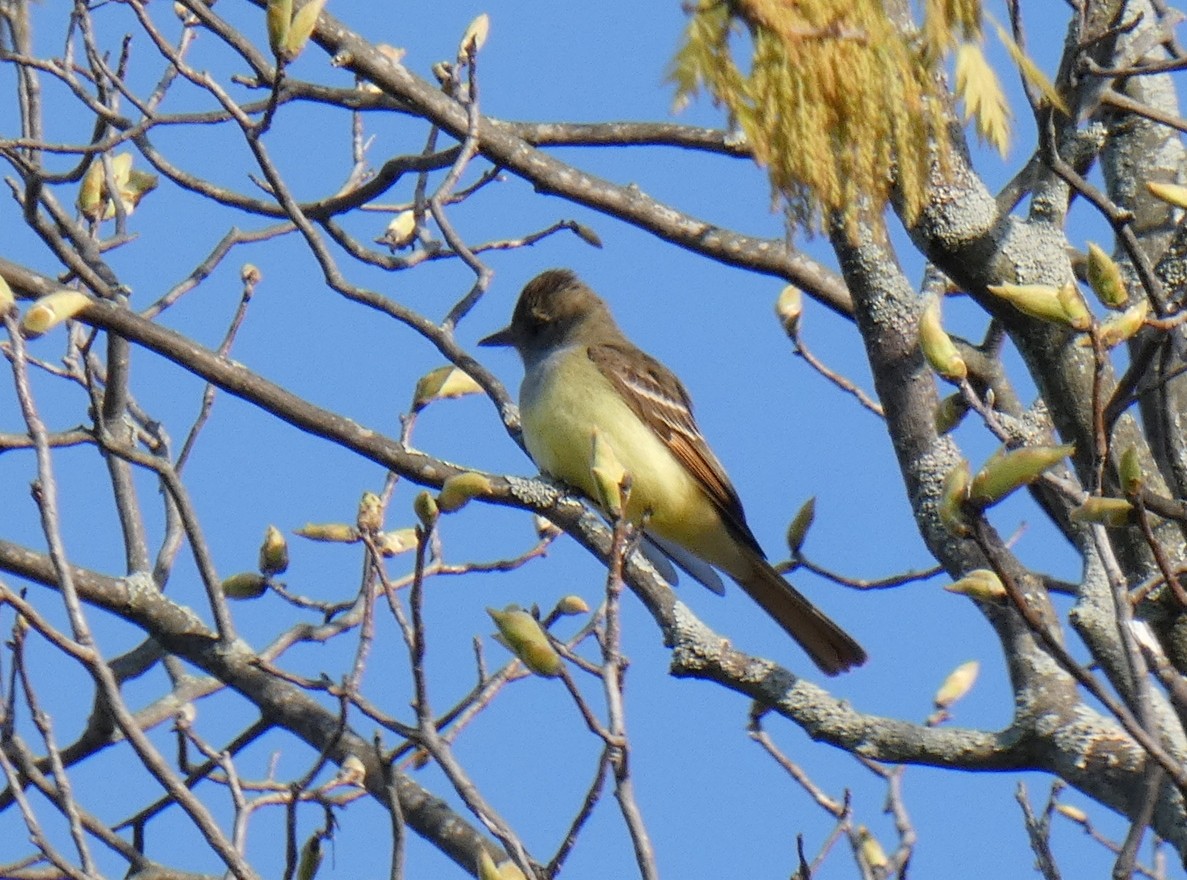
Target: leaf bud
[
  {"x": 608, "y": 473},
  {"x": 571, "y": 605},
  {"x": 475, "y": 36},
  {"x": 1121, "y": 326},
  {"x": 1130, "y": 471},
  {"x": 340, "y": 533},
  {"x": 1073, "y": 813},
  {"x": 1008, "y": 470},
  {"x": 1111, "y": 512},
  {"x": 457, "y": 490},
  {"x": 394, "y": 54},
  {"x": 396, "y": 541},
  {"x": 869, "y": 849},
  {"x": 950, "y": 413},
  {"x": 1072, "y": 301},
  {"x": 274, "y": 553},
  {"x": 958, "y": 683},
  {"x": 1105, "y": 279},
  {"x": 53, "y": 309},
  {"x": 1171, "y": 193},
  {"x": 279, "y": 16},
  {"x": 369, "y": 518},
  {"x": 301, "y": 28},
  {"x": 789, "y": 308},
  {"x": 953, "y": 496},
  {"x": 441, "y": 384},
  {"x": 487, "y": 869},
  {"x": 311, "y": 858},
  {"x": 245, "y": 585},
  {"x": 425, "y": 508},
  {"x": 401, "y": 231},
  {"x": 586, "y": 234},
  {"x": 797, "y": 529},
  {"x": 981, "y": 584},
  {"x": 138, "y": 185},
  {"x": 937, "y": 346},
  {"x": 527, "y": 640},
  {"x": 7, "y": 298},
  {"x": 1041, "y": 301}
]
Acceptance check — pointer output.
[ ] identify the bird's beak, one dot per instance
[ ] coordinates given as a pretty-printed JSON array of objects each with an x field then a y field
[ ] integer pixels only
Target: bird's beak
[{"x": 502, "y": 337}]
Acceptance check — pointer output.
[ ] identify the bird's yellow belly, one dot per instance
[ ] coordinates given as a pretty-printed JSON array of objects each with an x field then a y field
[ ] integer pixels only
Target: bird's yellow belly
[{"x": 557, "y": 431}]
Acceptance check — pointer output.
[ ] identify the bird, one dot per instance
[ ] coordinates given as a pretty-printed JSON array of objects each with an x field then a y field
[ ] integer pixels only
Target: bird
[{"x": 583, "y": 376}]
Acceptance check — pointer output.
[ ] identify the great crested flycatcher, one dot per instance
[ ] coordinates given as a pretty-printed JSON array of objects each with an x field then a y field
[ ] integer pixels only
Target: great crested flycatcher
[{"x": 580, "y": 374}]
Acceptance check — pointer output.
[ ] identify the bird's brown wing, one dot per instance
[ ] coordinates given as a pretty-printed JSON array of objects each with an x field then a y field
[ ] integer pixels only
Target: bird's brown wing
[{"x": 656, "y": 396}]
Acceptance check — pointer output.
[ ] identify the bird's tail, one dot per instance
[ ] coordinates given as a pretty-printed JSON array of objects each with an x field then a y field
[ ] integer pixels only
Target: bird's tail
[{"x": 829, "y": 646}]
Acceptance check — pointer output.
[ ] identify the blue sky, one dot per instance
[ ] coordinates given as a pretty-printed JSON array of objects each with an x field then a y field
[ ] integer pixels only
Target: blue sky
[{"x": 715, "y": 805}]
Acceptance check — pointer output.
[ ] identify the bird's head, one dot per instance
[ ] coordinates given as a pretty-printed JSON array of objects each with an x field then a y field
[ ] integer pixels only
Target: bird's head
[{"x": 552, "y": 308}]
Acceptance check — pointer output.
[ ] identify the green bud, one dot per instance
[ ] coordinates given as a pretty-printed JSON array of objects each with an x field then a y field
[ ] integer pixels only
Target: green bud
[
  {"x": 586, "y": 234},
  {"x": 797, "y": 530},
  {"x": 53, "y": 309},
  {"x": 1072, "y": 301},
  {"x": 1111, "y": 512},
  {"x": 1171, "y": 193},
  {"x": 1074, "y": 813},
  {"x": 953, "y": 497},
  {"x": 1043, "y": 302},
  {"x": 94, "y": 199},
  {"x": 1105, "y": 279},
  {"x": 950, "y": 413},
  {"x": 340, "y": 533},
  {"x": 570, "y": 605},
  {"x": 1119, "y": 327},
  {"x": 608, "y": 473},
  {"x": 981, "y": 584},
  {"x": 138, "y": 185},
  {"x": 443, "y": 383},
  {"x": 280, "y": 19},
  {"x": 870, "y": 850},
  {"x": 401, "y": 230},
  {"x": 457, "y": 490},
  {"x": 1012, "y": 469},
  {"x": 426, "y": 510},
  {"x": 311, "y": 857},
  {"x": 525, "y": 637},
  {"x": 90, "y": 191},
  {"x": 274, "y": 553},
  {"x": 245, "y": 585},
  {"x": 1130, "y": 471},
  {"x": 958, "y": 683},
  {"x": 302, "y": 28},
  {"x": 475, "y": 36},
  {"x": 790, "y": 307},
  {"x": 369, "y": 518},
  {"x": 937, "y": 346},
  {"x": 396, "y": 541}
]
